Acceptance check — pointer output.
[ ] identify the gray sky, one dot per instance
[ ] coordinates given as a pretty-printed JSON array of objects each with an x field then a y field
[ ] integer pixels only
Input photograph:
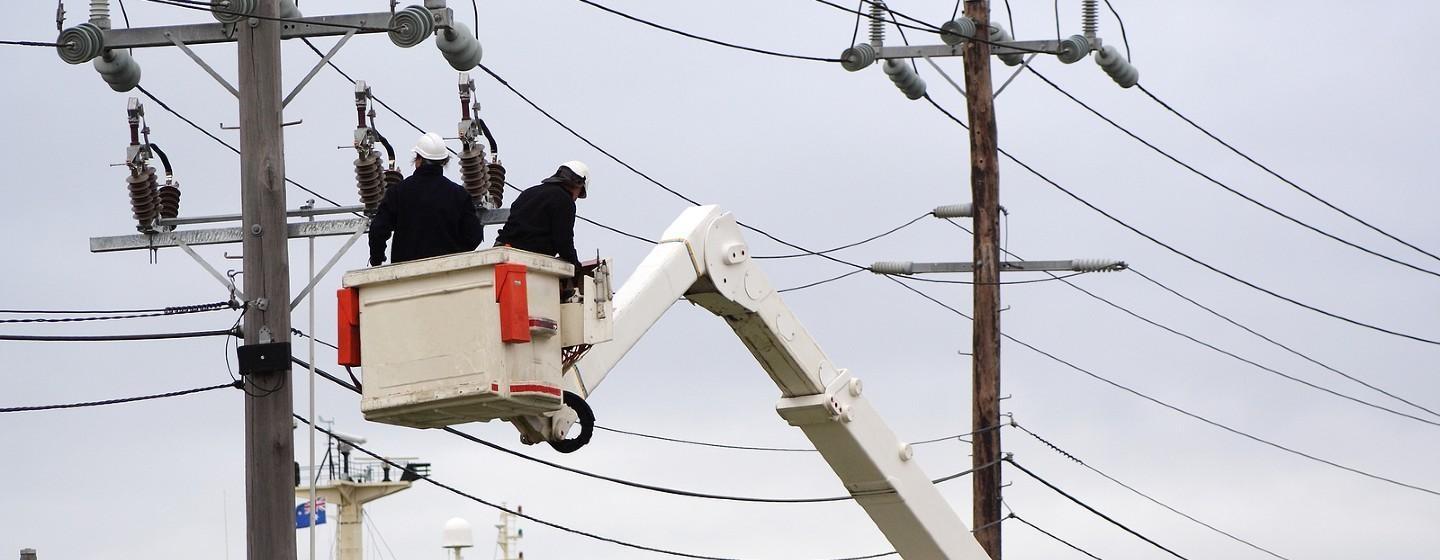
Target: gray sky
[{"x": 820, "y": 157}]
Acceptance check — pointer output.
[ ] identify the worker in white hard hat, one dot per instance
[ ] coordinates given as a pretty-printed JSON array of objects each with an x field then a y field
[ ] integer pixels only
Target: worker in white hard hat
[
  {"x": 428, "y": 214},
  {"x": 542, "y": 219}
]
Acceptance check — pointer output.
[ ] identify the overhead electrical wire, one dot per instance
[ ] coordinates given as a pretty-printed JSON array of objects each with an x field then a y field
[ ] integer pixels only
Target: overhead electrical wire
[
  {"x": 171, "y": 310},
  {"x": 1092, "y": 509},
  {"x": 927, "y": 27},
  {"x": 1132, "y": 489},
  {"x": 1227, "y": 187},
  {"x": 1278, "y": 344},
  {"x": 638, "y": 485},
  {"x": 1225, "y": 352},
  {"x": 820, "y": 282},
  {"x": 1193, "y": 415},
  {"x": 553, "y": 525},
  {"x": 116, "y": 337},
  {"x": 35, "y": 408},
  {"x": 1282, "y": 178},
  {"x": 166, "y": 312},
  {"x": 849, "y": 245},
  {"x": 1052, "y": 536},
  {"x": 706, "y": 39},
  {"x": 1124, "y": 38},
  {"x": 29, "y": 43},
  {"x": 1187, "y": 256}
]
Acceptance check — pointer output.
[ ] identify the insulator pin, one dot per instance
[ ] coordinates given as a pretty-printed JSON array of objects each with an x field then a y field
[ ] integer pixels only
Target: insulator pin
[
  {"x": 474, "y": 174},
  {"x": 857, "y": 57},
  {"x": 369, "y": 180},
  {"x": 231, "y": 11},
  {"x": 1119, "y": 69},
  {"x": 118, "y": 69},
  {"x": 957, "y": 31},
  {"x": 144, "y": 206},
  {"x": 461, "y": 49},
  {"x": 496, "y": 192},
  {"x": 411, "y": 26},
  {"x": 905, "y": 78},
  {"x": 998, "y": 34},
  {"x": 1074, "y": 49},
  {"x": 81, "y": 43}
]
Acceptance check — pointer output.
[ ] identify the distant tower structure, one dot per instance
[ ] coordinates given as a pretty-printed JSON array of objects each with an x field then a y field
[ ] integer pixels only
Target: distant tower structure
[
  {"x": 350, "y": 484},
  {"x": 509, "y": 536},
  {"x": 457, "y": 536},
  {"x": 27, "y": 554}
]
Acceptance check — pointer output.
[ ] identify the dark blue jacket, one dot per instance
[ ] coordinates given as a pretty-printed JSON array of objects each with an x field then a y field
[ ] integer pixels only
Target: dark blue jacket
[
  {"x": 542, "y": 220},
  {"x": 429, "y": 216}
]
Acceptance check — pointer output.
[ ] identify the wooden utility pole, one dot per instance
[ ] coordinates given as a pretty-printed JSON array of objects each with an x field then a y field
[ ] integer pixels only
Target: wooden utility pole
[
  {"x": 269, "y": 444},
  {"x": 985, "y": 338}
]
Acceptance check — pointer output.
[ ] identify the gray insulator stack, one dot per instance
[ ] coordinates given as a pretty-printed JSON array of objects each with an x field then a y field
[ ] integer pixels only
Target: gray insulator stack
[
  {"x": 857, "y": 57},
  {"x": 998, "y": 34},
  {"x": 392, "y": 178},
  {"x": 958, "y": 31},
  {"x": 100, "y": 13},
  {"x": 877, "y": 23},
  {"x": 461, "y": 49},
  {"x": 1090, "y": 18},
  {"x": 1074, "y": 49},
  {"x": 1119, "y": 69},
  {"x": 144, "y": 204},
  {"x": 370, "y": 181},
  {"x": 474, "y": 173},
  {"x": 497, "y": 182},
  {"x": 289, "y": 10},
  {"x": 118, "y": 69},
  {"x": 411, "y": 26},
  {"x": 168, "y": 198},
  {"x": 81, "y": 43},
  {"x": 905, "y": 78}
]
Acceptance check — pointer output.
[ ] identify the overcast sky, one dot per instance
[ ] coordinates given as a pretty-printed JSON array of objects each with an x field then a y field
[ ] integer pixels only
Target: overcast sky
[{"x": 1339, "y": 100}]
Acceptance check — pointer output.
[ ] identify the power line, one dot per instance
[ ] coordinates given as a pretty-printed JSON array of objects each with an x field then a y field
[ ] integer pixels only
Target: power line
[
  {"x": 207, "y": 7},
  {"x": 706, "y": 39},
  {"x": 169, "y": 311},
  {"x": 1187, "y": 256},
  {"x": 1067, "y": 455},
  {"x": 1282, "y": 178},
  {"x": 172, "y": 310},
  {"x": 819, "y": 282},
  {"x": 517, "y": 513},
  {"x": 638, "y": 485},
  {"x": 1123, "y": 37},
  {"x": 1193, "y": 415},
  {"x": 849, "y": 245},
  {"x": 1279, "y": 344},
  {"x": 1052, "y": 535},
  {"x": 1093, "y": 510},
  {"x": 1225, "y": 352},
  {"x": 29, "y": 43},
  {"x": 927, "y": 27},
  {"x": 1222, "y": 185},
  {"x": 118, "y": 337},
  {"x": 235, "y": 384}
]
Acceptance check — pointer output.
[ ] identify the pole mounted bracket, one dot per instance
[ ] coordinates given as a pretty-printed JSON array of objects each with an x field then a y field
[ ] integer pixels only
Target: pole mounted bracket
[{"x": 267, "y": 357}]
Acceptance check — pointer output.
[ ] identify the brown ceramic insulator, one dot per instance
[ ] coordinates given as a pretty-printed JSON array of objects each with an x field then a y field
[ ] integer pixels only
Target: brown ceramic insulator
[
  {"x": 369, "y": 180},
  {"x": 473, "y": 172},
  {"x": 168, "y": 198},
  {"x": 496, "y": 188},
  {"x": 392, "y": 178},
  {"x": 143, "y": 205}
]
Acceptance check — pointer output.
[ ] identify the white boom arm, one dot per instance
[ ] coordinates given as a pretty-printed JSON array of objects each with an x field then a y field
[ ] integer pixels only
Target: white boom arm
[{"x": 703, "y": 258}]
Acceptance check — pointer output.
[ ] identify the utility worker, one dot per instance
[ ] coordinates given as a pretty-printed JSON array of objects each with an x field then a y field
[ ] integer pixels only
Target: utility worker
[
  {"x": 429, "y": 214},
  {"x": 542, "y": 219}
]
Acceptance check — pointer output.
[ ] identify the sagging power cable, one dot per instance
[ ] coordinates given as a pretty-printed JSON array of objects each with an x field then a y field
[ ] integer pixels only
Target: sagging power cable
[
  {"x": 1226, "y": 187},
  {"x": 706, "y": 39},
  {"x": 638, "y": 485},
  {"x": 553, "y": 525},
  {"x": 118, "y": 337},
  {"x": 94, "y": 315},
  {"x": 1185, "y": 255},
  {"x": 234, "y": 384},
  {"x": 1132, "y": 489},
  {"x": 1092, "y": 509},
  {"x": 1052, "y": 536}
]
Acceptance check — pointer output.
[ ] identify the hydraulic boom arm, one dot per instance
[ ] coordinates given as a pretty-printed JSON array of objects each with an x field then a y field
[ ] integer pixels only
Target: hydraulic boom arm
[{"x": 703, "y": 258}]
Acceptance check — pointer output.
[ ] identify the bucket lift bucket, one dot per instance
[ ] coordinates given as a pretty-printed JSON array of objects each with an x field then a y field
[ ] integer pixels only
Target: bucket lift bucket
[{"x": 463, "y": 338}]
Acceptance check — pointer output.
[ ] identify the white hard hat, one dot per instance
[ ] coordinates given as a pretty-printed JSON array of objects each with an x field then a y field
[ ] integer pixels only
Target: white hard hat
[
  {"x": 583, "y": 171},
  {"x": 431, "y": 146}
]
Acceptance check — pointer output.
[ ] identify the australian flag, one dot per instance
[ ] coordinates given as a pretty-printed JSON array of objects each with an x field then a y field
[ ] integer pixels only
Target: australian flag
[{"x": 302, "y": 513}]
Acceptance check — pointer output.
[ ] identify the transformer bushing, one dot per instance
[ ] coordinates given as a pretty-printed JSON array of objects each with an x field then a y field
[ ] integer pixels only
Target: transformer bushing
[
  {"x": 370, "y": 181},
  {"x": 474, "y": 173},
  {"x": 144, "y": 206}
]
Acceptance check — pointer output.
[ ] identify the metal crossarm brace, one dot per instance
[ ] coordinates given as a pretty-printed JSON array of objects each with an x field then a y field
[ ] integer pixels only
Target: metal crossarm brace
[
  {"x": 195, "y": 57},
  {"x": 318, "y": 65},
  {"x": 359, "y": 231},
  {"x": 216, "y": 236}
]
